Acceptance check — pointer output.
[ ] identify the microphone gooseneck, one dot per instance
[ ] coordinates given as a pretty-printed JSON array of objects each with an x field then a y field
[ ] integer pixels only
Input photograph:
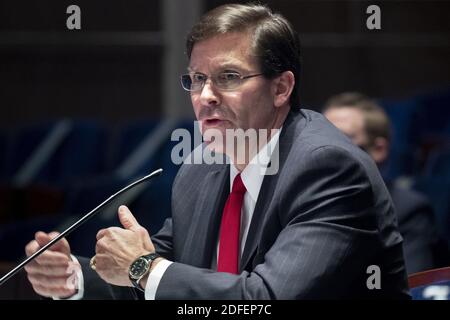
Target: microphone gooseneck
[{"x": 78, "y": 223}]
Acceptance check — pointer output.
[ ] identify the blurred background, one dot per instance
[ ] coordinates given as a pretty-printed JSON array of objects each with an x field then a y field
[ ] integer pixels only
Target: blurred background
[{"x": 84, "y": 112}]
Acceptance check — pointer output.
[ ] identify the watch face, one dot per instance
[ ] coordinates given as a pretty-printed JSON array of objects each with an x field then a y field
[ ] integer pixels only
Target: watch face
[{"x": 138, "y": 268}]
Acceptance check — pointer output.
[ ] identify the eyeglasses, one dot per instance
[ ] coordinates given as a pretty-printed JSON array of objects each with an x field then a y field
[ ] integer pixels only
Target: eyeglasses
[{"x": 222, "y": 81}]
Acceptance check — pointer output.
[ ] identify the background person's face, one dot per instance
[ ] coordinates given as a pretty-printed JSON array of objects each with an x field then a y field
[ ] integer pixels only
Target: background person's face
[
  {"x": 350, "y": 121},
  {"x": 248, "y": 106}
]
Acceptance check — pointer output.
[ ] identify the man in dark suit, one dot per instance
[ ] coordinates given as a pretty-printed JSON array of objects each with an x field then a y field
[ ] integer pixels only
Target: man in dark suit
[
  {"x": 300, "y": 212},
  {"x": 368, "y": 126}
]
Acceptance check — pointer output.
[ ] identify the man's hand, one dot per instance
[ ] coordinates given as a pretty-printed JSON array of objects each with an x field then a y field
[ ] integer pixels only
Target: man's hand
[
  {"x": 117, "y": 248},
  {"x": 53, "y": 273}
]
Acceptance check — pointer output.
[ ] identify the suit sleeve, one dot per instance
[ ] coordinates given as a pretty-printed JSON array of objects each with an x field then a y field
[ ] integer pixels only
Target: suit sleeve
[
  {"x": 163, "y": 240},
  {"x": 325, "y": 210}
]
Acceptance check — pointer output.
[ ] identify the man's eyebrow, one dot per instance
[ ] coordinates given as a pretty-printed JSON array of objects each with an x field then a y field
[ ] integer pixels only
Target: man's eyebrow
[
  {"x": 191, "y": 70},
  {"x": 222, "y": 67},
  {"x": 230, "y": 65}
]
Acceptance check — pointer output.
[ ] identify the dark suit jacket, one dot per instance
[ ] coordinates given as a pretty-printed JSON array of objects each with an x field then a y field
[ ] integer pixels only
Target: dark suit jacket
[
  {"x": 417, "y": 227},
  {"x": 317, "y": 226}
]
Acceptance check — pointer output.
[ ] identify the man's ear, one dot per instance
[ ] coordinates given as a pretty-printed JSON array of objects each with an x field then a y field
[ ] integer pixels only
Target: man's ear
[{"x": 282, "y": 88}]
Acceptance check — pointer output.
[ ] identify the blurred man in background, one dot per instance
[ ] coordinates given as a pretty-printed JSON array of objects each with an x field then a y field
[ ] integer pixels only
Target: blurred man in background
[{"x": 368, "y": 126}]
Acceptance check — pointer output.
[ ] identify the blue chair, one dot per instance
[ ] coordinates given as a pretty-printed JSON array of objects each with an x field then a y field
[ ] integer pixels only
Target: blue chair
[
  {"x": 129, "y": 138},
  {"x": 438, "y": 164},
  {"x": 433, "y": 115},
  {"x": 437, "y": 189},
  {"x": 404, "y": 116},
  {"x": 430, "y": 285},
  {"x": 84, "y": 153},
  {"x": 54, "y": 152},
  {"x": 24, "y": 141}
]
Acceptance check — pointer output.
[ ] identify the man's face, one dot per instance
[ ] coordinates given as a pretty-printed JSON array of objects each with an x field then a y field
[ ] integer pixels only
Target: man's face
[
  {"x": 251, "y": 105},
  {"x": 350, "y": 121}
]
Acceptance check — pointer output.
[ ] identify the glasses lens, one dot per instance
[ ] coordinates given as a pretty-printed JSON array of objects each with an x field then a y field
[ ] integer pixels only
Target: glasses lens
[
  {"x": 228, "y": 80},
  {"x": 186, "y": 82}
]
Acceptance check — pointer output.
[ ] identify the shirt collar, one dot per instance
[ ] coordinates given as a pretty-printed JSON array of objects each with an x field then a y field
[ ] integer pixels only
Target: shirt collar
[{"x": 253, "y": 174}]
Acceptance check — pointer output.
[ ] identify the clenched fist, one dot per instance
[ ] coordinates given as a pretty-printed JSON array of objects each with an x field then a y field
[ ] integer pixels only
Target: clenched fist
[{"x": 53, "y": 273}]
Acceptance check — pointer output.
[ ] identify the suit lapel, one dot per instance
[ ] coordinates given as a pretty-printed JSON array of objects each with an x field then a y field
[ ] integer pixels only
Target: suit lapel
[
  {"x": 266, "y": 193},
  {"x": 202, "y": 237},
  {"x": 200, "y": 243},
  {"x": 254, "y": 234}
]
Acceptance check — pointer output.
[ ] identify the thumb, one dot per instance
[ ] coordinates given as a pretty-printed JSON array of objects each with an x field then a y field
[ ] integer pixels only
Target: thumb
[{"x": 127, "y": 219}]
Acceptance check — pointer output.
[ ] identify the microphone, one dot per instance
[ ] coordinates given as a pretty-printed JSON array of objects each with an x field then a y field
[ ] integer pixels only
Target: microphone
[{"x": 74, "y": 226}]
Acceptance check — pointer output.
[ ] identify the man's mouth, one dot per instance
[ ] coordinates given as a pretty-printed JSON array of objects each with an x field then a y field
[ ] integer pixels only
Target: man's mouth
[{"x": 212, "y": 122}]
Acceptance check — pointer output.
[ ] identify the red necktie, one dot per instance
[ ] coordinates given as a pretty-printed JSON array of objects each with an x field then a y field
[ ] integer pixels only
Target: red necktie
[{"x": 230, "y": 229}]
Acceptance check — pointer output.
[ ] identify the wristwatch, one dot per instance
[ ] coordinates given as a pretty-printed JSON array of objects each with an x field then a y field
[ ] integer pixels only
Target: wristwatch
[{"x": 140, "y": 267}]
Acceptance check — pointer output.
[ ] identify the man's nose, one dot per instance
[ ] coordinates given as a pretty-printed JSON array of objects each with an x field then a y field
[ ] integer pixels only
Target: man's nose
[{"x": 209, "y": 94}]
